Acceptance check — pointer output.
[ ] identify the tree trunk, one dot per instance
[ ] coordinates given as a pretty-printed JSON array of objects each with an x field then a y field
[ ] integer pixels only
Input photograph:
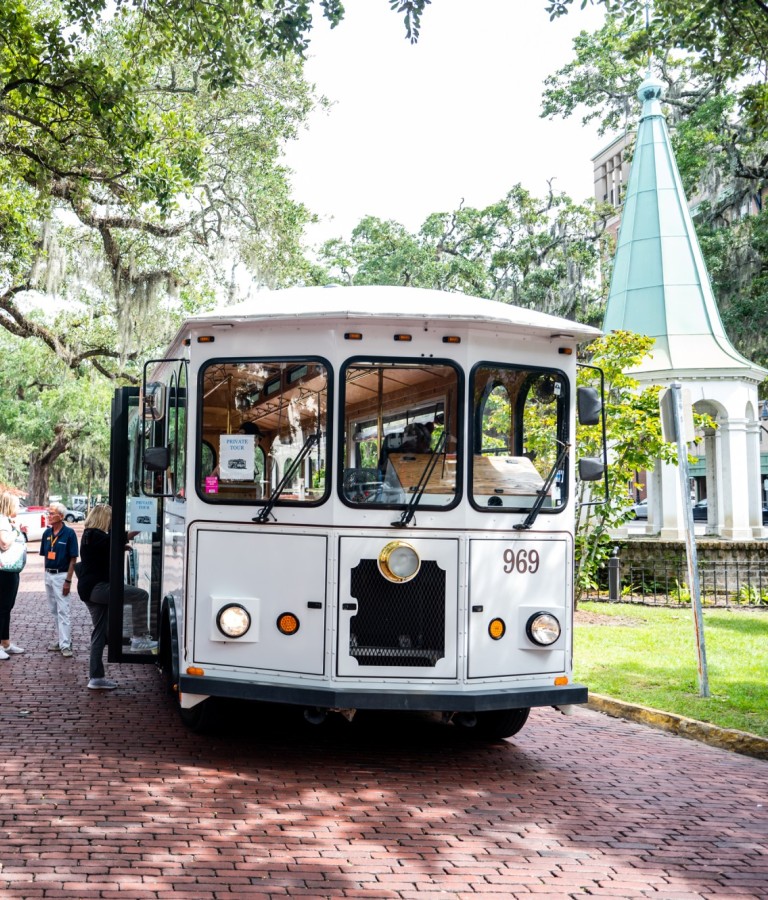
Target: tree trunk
[
  {"x": 40, "y": 466},
  {"x": 39, "y": 475}
]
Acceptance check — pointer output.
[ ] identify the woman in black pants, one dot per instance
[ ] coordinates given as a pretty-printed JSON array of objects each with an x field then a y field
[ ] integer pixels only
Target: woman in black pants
[{"x": 93, "y": 588}]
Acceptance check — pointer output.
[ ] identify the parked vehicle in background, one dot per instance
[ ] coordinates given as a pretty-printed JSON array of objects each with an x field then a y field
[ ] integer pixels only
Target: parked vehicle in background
[
  {"x": 32, "y": 520},
  {"x": 83, "y": 503},
  {"x": 74, "y": 515},
  {"x": 700, "y": 511}
]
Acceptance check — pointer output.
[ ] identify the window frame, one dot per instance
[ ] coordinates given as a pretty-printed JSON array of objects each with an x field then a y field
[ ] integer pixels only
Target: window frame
[
  {"x": 517, "y": 407},
  {"x": 457, "y": 430},
  {"x": 327, "y": 433}
]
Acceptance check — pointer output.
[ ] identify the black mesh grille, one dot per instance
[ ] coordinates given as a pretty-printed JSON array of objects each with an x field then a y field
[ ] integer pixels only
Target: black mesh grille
[{"x": 397, "y": 624}]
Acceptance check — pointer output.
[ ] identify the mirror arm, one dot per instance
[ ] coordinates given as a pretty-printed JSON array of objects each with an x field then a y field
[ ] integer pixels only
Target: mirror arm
[{"x": 603, "y": 434}]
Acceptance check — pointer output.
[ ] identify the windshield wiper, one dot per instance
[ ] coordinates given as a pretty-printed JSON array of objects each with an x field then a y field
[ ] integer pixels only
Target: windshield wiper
[
  {"x": 544, "y": 489},
  {"x": 426, "y": 474},
  {"x": 287, "y": 478}
]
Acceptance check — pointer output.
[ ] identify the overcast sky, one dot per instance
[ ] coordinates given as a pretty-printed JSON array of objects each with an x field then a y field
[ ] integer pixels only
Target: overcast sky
[{"x": 416, "y": 129}]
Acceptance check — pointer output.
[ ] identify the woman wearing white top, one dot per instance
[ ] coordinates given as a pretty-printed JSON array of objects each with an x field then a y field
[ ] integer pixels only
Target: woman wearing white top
[{"x": 9, "y": 581}]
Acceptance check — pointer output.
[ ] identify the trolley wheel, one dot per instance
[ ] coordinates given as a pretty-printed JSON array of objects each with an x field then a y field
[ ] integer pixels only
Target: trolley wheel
[
  {"x": 168, "y": 671},
  {"x": 496, "y": 724},
  {"x": 198, "y": 718}
]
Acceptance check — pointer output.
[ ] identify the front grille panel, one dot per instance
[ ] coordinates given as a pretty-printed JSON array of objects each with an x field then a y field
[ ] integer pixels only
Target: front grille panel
[{"x": 397, "y": 624}]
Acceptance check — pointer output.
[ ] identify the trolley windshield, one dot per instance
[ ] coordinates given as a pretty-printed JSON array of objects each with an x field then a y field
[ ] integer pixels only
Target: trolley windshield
[
  {"x": 519, "y": 438},
  {"x": 400, "y": 440},
  {"x": 263, "y": 429}
]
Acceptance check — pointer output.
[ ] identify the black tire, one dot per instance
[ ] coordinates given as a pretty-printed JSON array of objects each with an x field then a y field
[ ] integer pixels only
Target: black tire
[
  {"x": 165, "y": 660},
  {"x": 69, "y": 517},
  {"x": 197, "y": 719},
  {"x": 497, "y": 724}
]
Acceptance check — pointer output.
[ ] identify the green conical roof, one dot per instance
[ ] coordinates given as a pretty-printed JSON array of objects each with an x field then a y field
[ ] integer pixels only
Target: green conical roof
[{"x": 660, "y": 285}]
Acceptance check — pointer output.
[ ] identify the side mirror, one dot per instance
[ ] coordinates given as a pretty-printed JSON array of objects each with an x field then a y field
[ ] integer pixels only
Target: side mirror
[
  {"x": 157, "y": 459},
  {"x": 153, "y": 401},
  {"x": 591, "y": 469},
  {"x": 588, "y": 406}
]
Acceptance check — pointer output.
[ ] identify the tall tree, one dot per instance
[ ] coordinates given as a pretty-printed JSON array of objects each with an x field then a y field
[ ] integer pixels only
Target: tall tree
[
  {"x": 537, "y": 253},
  {"x": 52, "y": 421},
  {"x": 728, "y": 36},
  {"x": 136, "y": 174},
  {"x": 168, "y": 175}
]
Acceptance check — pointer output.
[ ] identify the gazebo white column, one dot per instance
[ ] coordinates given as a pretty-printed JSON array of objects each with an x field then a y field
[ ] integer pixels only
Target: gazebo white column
[
  {"x": 735, "y": 500},
  {"x": 672, "y": 517},
  {"x": 755, "y": 489}
]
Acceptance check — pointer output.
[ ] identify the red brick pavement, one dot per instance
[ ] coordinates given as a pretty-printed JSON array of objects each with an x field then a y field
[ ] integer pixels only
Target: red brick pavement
[{"x": 107, "y": 795}]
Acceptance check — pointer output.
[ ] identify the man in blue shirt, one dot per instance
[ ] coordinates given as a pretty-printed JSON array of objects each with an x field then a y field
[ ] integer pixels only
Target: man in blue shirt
[{"x": 59, "y": 549}]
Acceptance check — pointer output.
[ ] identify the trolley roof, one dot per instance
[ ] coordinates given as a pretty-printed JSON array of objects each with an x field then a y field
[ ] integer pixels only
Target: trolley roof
[{"x": 399, "y": 304}]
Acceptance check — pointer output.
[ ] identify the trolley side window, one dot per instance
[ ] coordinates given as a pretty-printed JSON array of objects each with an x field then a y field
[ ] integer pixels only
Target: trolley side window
[
  {"x": 519, "y": 437},
  {"x": 263, "y": 425},
  {"x": 400, "y": 434}
]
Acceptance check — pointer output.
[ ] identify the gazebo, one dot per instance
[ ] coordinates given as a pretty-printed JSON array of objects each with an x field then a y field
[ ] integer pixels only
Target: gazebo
[{"x": 660, "y": 287}]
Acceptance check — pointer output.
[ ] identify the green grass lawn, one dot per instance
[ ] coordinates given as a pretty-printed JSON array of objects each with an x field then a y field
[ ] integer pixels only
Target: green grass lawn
[{"x": 647, "y": 655}]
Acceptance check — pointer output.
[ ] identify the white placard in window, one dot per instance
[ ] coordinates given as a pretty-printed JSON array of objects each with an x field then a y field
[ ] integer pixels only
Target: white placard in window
[
  {"x": 143, "y": 514},
  {"x": 236, "y": 455}
]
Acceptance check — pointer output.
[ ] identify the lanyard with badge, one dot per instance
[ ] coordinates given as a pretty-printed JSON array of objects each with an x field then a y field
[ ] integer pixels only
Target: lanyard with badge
[{"x": 51, "y": 551}]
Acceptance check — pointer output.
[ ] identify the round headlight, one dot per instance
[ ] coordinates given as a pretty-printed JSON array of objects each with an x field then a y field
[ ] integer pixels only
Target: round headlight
[
  {"x": 399, "y": 562},
  {"x": 543, "y": 629},
  {"x": 233, "y": 620}
]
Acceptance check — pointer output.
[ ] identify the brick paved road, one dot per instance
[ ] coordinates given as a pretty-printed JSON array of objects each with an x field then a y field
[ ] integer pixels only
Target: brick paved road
[{"x": 107, "y": 795}]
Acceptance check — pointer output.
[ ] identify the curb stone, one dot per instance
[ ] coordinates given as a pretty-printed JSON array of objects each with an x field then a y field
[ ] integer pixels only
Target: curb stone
[{"x": 725, "y": 738}]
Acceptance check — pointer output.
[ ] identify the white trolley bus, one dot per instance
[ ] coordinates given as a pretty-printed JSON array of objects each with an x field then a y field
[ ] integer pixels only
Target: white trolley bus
[{"x": 356, "y": 498}]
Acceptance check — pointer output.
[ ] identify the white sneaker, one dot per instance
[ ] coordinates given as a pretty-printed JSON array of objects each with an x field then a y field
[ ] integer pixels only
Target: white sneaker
[
  {"x": 3, "y": 654},
  {"x": 145, "y": 644},
  {"x": 102, "y": 684},
  {"x": 12, "y": 648}
]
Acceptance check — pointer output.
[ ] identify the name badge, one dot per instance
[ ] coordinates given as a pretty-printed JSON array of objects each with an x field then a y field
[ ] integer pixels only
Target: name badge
[{"x": 51, "y": 554}]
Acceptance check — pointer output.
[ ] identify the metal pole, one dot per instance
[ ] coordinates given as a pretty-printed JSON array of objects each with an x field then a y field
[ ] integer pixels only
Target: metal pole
[
  {"x": 690, "y": 541},
  {"x": 614, "y": 577}
]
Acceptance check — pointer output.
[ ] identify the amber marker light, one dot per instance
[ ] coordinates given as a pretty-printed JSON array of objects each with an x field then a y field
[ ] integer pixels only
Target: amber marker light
[
  {"x": 399, "y": 562},
  {"x": 353, "y": 336},
  {"x": 561, "y": 679},
  {"x": 287, "y": 623},
  {"x": 403, "y": 337},
  {"x": 496, "y": 629},
  {"x": 451, "y": 339},
  {"x": 195, "y": 670},
  {"x": 205, "y": 339},
  {"x": 565, "y": 351}
]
